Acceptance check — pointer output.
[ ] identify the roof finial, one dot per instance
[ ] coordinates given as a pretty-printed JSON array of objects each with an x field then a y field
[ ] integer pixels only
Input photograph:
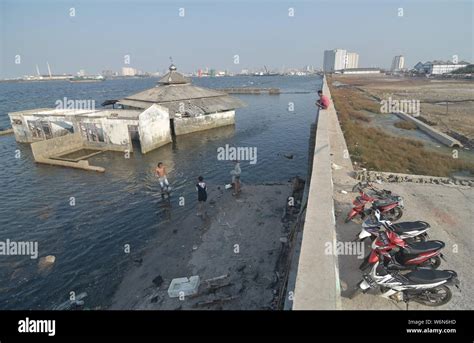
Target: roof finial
[{"x": 172, "y": 66}]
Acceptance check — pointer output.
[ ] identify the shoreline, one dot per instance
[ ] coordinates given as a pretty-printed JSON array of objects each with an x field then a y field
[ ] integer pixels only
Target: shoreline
[{"x": 238, "y": 248}]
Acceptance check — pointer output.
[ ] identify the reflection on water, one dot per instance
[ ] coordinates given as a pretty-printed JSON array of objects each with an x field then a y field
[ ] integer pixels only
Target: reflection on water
[{"x": 124, "y": 205}]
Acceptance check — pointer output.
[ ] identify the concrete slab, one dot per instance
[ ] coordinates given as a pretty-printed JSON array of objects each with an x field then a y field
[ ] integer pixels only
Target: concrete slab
[{"x": 183, "y": 287}]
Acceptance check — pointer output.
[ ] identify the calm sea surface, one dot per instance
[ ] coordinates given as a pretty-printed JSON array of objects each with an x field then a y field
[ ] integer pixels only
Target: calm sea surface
[{"x": 120, "y": 206}]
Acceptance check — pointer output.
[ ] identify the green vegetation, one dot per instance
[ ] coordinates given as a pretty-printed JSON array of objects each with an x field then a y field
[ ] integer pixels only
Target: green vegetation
[{"x": 375, "y": 149}]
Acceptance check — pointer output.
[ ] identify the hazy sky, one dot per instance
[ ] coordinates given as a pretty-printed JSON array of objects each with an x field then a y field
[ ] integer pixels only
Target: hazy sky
[{"x": 211, "y": 33}]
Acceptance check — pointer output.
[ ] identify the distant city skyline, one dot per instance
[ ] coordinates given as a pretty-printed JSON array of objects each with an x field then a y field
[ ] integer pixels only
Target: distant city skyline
[{"x": 231, "y": 35}]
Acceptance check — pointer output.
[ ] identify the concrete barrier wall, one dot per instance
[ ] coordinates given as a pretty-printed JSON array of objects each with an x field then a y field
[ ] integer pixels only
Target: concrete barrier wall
[
  {"x": 44, "y": 150},
  {"x": 154, "y": 128},
  {"x": 183, "y": 126},
  {"x": 317, "y": 282},
  {"x": 429, "y": 130},
  {"x": 56, "y": 146}
]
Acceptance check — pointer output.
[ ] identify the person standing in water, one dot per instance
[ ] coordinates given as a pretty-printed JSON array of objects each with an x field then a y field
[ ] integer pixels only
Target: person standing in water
[
  {"x": 236, "y": 178},
  {"x": 161, "y": 174},
  {"x": 202, "y": 196}
]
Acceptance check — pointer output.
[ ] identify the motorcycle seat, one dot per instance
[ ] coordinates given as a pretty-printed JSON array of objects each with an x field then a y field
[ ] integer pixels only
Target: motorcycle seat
[
  {"x": 421, "y": 247},
  {"x": 410, "y": 226},
  {"x": 429, "y": 275},
  {"x": 384, "y": 202}
]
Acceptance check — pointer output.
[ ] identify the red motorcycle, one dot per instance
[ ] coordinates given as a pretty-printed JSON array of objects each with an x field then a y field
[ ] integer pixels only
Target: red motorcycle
[
  {"x": 389, "y": 205},
  {"x": 397, "y": 254}
]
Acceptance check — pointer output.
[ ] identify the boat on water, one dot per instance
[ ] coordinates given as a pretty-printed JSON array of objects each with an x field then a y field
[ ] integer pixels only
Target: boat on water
[{"x": 93, "y": 78}]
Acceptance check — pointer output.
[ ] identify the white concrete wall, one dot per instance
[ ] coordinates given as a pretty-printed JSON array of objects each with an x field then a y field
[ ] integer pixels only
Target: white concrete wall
[
  {"x": 183, "y": 126},
  {"x": 154, "y": 128},
  {"x": 431, "y": 131},
  {"x": 20, "y": 131},
  {"x": 317, "y": 282},
  {"x": 58, "y": 125},
  {"x": 116, "y": 135}
]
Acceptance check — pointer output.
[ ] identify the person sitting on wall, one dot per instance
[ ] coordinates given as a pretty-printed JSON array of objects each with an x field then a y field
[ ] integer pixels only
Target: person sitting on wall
[{"x": 323, "y": 101}]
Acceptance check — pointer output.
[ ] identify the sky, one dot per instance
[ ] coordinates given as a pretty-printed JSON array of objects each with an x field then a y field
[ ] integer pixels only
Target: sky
[{"x": 212, "y": 33}]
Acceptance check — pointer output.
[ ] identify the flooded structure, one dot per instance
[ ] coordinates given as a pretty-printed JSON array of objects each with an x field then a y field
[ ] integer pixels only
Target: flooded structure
[
  {"x": 152, "y": 118},
  {"x": 191, "y": 108},
  {"x": 101, "y": 129},
  {"x": 68, "y": 137}
]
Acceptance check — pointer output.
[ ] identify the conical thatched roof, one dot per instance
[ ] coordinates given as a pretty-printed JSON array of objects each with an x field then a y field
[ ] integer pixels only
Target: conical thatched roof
[
  {"x": 176, "y": 93},
  {"x": 173, "y": 77}
]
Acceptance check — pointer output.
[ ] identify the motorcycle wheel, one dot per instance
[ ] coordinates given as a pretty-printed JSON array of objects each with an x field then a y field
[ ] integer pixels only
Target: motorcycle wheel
[
  {"x": 356, "y": 291},
  {"x": 433, "y": 262},
  {"x": 348, "y": 219},
  {"x": 365, "y": 263},
  {"x": 437, "y": 296},
  {"x": 394, "y": 214}
]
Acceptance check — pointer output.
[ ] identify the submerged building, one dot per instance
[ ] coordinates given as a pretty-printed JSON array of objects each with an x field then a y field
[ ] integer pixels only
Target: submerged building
[
  {"x": 191, "y": 108},
  {"x": 152, "y": 117}
]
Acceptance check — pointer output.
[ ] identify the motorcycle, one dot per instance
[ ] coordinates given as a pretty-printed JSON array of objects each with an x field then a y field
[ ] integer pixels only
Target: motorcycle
[
  {"x": 425, "y": 286},
  {"x": 397, "y": 254},
  {"x": 410, "y": 232},
  {"x": 390, "y": 205}
]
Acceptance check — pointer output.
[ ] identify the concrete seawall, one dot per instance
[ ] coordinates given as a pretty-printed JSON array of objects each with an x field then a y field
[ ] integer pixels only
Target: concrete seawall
[
  {"x": 439, "y": 136},
  {"x": 317, "y": 281},
  {"x": 44, "y": 151}
]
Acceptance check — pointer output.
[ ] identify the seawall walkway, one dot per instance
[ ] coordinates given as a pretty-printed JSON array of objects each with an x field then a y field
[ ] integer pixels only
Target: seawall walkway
[{"x": 317, "y": 284}]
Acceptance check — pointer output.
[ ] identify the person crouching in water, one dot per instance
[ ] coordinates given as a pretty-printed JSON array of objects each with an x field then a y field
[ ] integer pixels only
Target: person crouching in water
[
  {"x": 236, "y": 178},
  {"x": 161, "y": 174},
  {"x": 202, "y": 196}
]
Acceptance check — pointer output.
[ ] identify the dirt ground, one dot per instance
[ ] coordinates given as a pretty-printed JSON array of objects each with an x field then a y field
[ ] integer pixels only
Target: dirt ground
[
  {"x": 448, "y": 209},
  {"x": 239, "y": 243},
  {"x": 445, "y": 104}
]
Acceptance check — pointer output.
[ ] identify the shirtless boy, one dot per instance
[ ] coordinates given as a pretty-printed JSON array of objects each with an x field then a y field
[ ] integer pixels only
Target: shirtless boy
[{"x": 161, "y": 174}]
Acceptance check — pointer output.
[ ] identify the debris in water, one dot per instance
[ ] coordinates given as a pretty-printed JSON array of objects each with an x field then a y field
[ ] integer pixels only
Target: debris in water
[
  {"x": 72, "y": 304},
  {"x": 46, "y": 261},
  {"x": 183, "y": 286},
  {"x": 157, "y": 281}
]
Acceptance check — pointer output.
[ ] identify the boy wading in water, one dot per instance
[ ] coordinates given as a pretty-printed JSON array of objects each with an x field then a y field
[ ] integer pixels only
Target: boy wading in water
[
  {"x": 161, "y": 174},
  {"x": 236, "y": 178},
  {"x": 202, "y": 196}
]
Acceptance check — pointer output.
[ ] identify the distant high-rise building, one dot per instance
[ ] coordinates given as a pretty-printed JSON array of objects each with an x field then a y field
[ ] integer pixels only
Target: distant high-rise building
[
  {"x": 398, "y": 63},
  {"x": 339, "y": 59},
  {"x": 351, "y": 60},
  {"x": 128, "y": 71},
  {"x": 334, "y": 60}
]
